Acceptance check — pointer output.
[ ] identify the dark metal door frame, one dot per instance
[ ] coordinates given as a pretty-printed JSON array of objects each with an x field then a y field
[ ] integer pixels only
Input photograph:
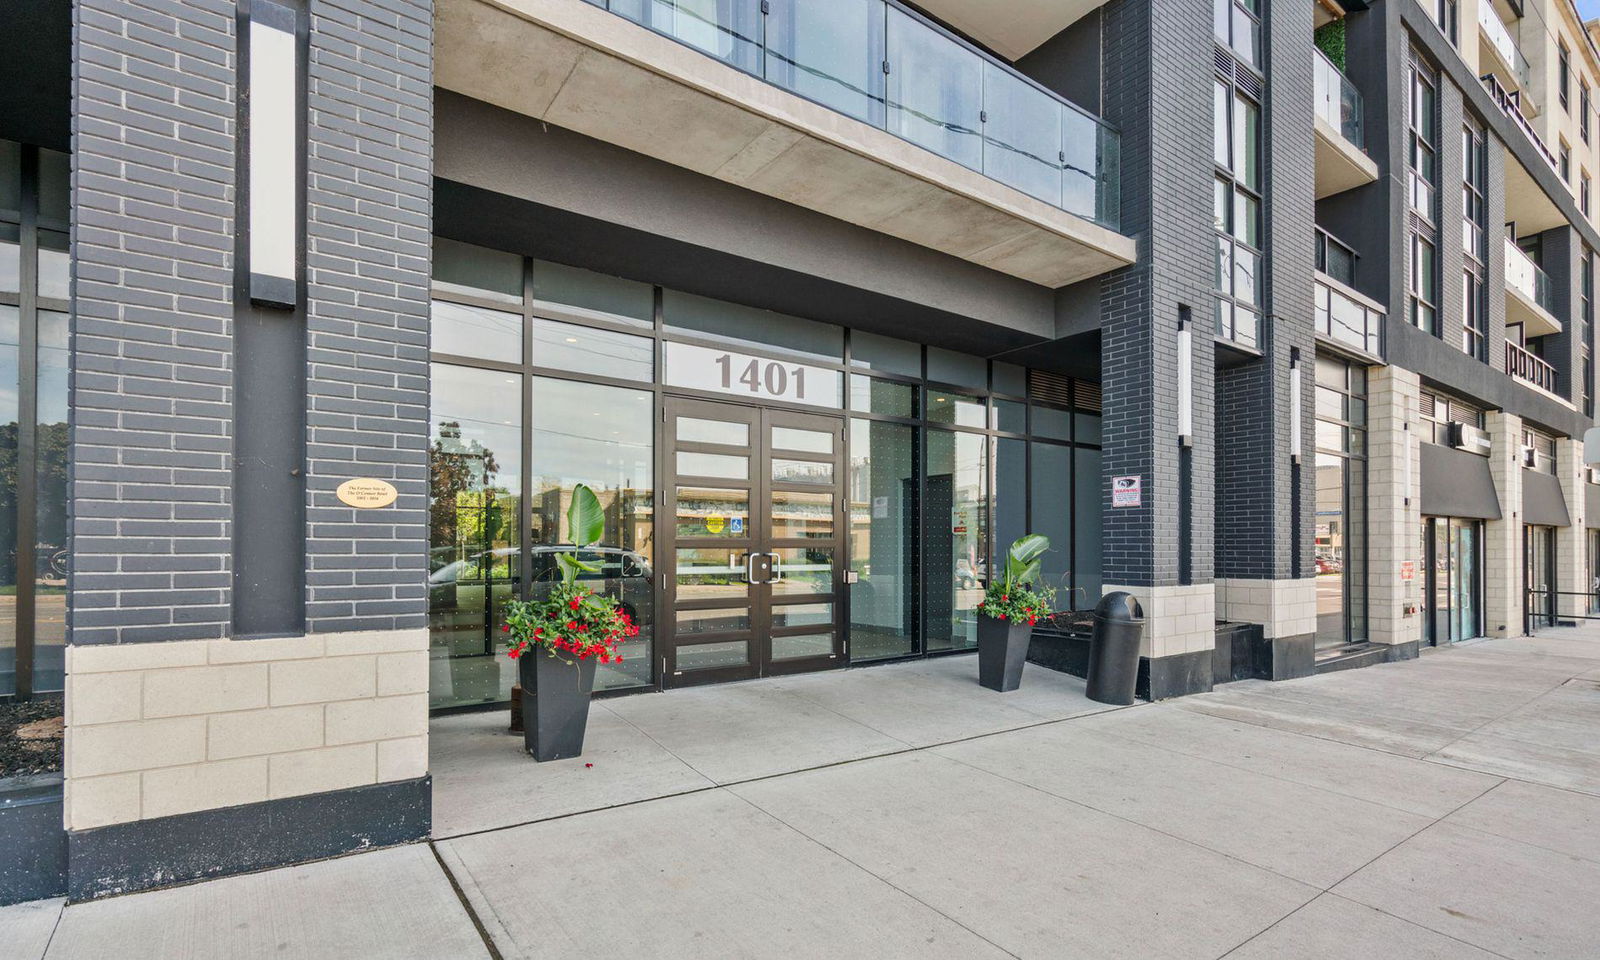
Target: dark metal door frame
[{"x": 756, "y": 552}]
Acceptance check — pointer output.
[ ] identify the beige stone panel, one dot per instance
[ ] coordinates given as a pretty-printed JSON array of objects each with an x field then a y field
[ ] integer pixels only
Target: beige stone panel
[
  {"x": 385, "y": 718},
  {"x": 141, "y": 745},
  {"x": 400, "y": 673},
  {"x": 402, "y": 759},
  {"x": 317, "y": 771},
  {"x": 318, "y": 681},
  {"x": 101, "y": 801},
  {"x": 205, "y": 786},
  {"x": 375, "y": 641},
  {"x": 205, "y": 690},
  {"x": 276, "y": 648},
  {"x": 257, "y": 732},
  {"x": 104, "y": 698},
  {"x": 107, "y": 657}
]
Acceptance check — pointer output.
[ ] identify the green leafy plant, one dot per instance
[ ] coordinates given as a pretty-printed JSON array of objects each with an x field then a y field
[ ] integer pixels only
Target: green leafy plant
[
  {"x": 1018, "y": 596},
  {"x": 572, "y": 622},
  {"x": 1330, "y": 39}
]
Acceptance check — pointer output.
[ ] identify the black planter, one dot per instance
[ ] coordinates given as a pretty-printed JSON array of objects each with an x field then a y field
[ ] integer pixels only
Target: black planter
[
  {"x": 555, "y": 704},
  {"x": 1002, "y": 649}
]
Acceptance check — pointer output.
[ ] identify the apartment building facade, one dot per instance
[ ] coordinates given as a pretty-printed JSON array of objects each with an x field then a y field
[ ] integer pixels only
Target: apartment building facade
[{"x": 320, "y": 309}]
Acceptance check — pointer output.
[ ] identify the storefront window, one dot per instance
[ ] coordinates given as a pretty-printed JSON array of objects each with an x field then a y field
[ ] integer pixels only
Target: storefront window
[
  {"x": 1341, "y": 498},
  {"x": 33, "y": 421},
  {"x": 883, "y": 539},
  {"x": 474, "y": 515},
  {"x": 601, "y": 436},
  {"x": 955, "y": 538},
  {"x": 534, "y": 394}
]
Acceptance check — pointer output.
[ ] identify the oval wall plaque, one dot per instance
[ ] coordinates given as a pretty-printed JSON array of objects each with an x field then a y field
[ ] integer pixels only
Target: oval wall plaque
[{"x": 366, "y": 493}]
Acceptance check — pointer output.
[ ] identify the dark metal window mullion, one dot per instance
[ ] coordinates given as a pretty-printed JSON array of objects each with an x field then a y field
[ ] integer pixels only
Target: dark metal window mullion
[{"x": 27, "y": 422}]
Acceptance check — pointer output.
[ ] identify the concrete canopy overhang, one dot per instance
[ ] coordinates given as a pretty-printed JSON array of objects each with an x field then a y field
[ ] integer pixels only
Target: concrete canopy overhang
[
  {"x": 1011, "y": 28},
  {"x": 1536, "y": 320},
  {"x": 1527, "y": 205},
  {"x": 579, "y": 67},
  {"x": 1341, "y": 165}
]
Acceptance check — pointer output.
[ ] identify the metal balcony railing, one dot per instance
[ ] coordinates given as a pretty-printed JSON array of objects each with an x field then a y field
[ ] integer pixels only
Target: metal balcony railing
[
  {"x": 885, "y": 65},
  {"x": 1525, "y": 366},
  {"x": 1525, "y": 275},
  {"x": 1337, "y": 100},
  {"x": 1336, "y": 258},
  {"x": 1508, "y": 103}
]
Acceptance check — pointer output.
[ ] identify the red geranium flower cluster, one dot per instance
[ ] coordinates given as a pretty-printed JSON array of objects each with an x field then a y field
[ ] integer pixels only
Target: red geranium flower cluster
[{"x": 572, "y": 623}]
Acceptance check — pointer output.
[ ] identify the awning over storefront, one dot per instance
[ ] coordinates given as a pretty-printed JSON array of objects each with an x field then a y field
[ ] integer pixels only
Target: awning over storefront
[
  {"x": 1542, "y": 502},
  {"x": 1457, "y": 484}
]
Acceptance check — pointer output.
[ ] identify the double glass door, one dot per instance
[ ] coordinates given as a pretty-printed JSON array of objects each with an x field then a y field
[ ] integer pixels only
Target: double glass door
[
  {"x": 1453, "y": 591},
  {"x": 755, "y": 546}
]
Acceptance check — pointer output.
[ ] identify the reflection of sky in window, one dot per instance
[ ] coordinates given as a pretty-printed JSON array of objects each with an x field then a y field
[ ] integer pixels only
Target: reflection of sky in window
[
  {"x": 591, "y": 433},
  {"x": 488, "y": 406}
]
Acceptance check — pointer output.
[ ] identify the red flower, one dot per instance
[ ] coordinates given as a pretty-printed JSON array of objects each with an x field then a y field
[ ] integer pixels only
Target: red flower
[
  {"x": 571, "y": 624},
  {"x": 1000, "y": 616},
  {"x": 574, "y": 604},
  {"x": 1005, "y": 596},
  {"x": 505, "y": 628},
  {"x": 1032, "y": 621},
  {"x": 587, "y": 765}
]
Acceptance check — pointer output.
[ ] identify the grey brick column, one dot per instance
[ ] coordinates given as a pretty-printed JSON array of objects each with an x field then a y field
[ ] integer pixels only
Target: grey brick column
[
  {"x": 1157, "y": 83},
  {"x": 369, "y": 215},
  {"x": 152, "y": 191},
  {"x": 1264, "y": 516}
]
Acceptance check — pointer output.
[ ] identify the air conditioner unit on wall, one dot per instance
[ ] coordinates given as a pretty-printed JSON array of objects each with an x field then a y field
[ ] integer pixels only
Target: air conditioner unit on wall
[
  {"x": 1530, "y": 458},
  {"x": 1464, "y": 436}
]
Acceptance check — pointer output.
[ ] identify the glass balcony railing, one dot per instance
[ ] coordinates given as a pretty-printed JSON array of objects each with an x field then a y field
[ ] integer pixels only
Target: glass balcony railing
[
  {"x": 1525, "y": 275},
  {"x": 1337, "y": 100},
  {"x": 884, "y": 65},
  {"x": 1504, "y": 46},
  {"x": 1342, "y": 315}
]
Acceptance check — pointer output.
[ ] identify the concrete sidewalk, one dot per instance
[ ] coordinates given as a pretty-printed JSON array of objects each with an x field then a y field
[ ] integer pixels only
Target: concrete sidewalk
[{"x": 1447, "y": 807}]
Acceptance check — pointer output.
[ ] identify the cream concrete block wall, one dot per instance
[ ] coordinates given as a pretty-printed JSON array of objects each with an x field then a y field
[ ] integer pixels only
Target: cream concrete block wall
[
  {"x": 1284, "y": 608},
  {"x": 1572, "y": 560},
  {"x": 157, "y": 729},
  {"x": 1177, "y": 619},
  {"x": 1502, "y": 552},
  {"x": 1394, "y": 504}
]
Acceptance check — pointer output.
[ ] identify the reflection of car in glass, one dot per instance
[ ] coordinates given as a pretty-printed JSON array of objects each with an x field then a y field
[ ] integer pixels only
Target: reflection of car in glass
[
  {"x": 1327, "y": 563},
  {"x": 460, "y": 584}
]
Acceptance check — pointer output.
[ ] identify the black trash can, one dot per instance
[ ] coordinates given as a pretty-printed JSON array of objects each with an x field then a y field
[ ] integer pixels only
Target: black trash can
[{"x": 1114, "y": 649}]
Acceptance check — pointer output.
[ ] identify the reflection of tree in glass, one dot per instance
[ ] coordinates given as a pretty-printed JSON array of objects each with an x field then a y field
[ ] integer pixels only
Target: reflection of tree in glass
[{"x": 465, "y": 509}]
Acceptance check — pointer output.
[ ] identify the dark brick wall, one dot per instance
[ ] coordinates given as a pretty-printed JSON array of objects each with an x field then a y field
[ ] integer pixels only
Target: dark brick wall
[
  {"x": 368, "y": 222},
  {"x": 153, "y": 182},
  {"x": 1257, "y": 517},
  {"x": 153, "y": 192},
  {"x": 1157, "y": 83}
]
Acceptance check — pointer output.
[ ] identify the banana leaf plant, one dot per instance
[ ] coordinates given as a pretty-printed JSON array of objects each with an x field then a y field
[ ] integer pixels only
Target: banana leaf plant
[
  {"x": 573, "y": 622},
  {"x": 1017, "y": 596}
]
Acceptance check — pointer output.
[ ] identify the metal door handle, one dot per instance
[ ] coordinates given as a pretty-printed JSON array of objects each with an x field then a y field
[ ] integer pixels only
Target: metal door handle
[
  {"x": 777, "y": 569},
  {"x": 749, "y": 567}
]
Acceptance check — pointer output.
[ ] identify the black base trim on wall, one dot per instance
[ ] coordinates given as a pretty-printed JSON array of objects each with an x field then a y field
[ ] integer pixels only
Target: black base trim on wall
[
  {"x": 127, "y": 857},
  {"x": 1280, "y": 658},
  {"x": 1175, "y": 676},
  {"x": 33, "y": 845}
]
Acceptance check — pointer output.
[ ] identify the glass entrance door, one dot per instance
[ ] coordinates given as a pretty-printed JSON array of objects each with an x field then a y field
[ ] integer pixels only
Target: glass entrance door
[
  {"x": 755, "y": 543},
  {"x": 1539, "y": 549}
]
